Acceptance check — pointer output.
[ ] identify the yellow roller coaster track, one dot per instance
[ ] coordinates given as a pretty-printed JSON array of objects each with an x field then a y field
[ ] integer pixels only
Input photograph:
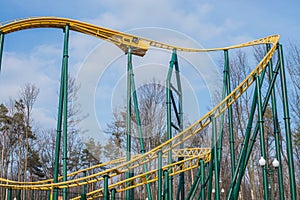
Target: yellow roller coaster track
[{"x": 139, "y": 47}]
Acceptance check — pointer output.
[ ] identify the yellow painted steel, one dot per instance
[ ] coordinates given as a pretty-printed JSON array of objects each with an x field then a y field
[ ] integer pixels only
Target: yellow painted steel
[
  {"x": 138, "y": 44},
  {"x": 120, "y": 166}
]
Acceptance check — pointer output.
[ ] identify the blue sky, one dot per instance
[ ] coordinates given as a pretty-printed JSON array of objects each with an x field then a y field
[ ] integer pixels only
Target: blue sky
[{"x": 35, "y": 55}]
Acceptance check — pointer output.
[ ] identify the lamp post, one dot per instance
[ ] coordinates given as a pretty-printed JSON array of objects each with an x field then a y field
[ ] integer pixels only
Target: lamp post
[{"x": 271, "y": 169}]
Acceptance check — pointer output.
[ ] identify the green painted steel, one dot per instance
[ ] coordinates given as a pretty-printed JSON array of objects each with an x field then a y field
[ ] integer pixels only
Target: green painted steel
[
  {"x": 169, "y": 117},
  {"x": 106, "y": 192},
  {"x": 128, "y": 120},
  {"x": 9, "y": 194},
  {"x": 287, "y": 125},
  {"x": 166, "y": 185},
  {"x": 113, "y": 194},
  {"x": 1, "y": 48},
  {"x": 210, "y": 175},
  {"x": 194, "y": 186},
  {"x": 255, "y": 132},
  {"x": 159, "y": 176},
  {"x": 138, "y": 119},
  {"x": 262, "y": 137},
  {"x": 180, "y": 116},
  {"x": 225, "y": 91},
  {"x": 83, "y": 190},
  {"x": 61, "y": 105},
  {"x": 276, "y": 129},
  {"x": 65, "y": 111},
  {"x": 170, "y": 100},
  {"x": 49, "y": 195},
  {"x": 216, "y": 166},
  {"x": 230, "y": 121},
  {"x": 202, "y": 191},
  {"x": 18, "y": 194},
  {"x": 238, "y": 173}
]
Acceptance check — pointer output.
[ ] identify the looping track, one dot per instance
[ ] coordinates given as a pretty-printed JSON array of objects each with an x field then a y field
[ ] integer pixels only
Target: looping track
[{"x": 139, "y": 47}]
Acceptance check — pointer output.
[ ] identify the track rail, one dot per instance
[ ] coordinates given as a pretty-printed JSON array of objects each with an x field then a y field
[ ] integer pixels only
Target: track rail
[{"x": 138, "y": 44}]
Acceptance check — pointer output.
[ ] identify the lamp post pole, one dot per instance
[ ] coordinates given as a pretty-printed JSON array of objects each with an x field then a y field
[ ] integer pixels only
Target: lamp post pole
[{"x": 270, "y": 169}]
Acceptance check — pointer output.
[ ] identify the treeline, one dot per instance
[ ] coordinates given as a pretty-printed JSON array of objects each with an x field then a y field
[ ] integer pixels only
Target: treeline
[{"x": 28, "y": 150}]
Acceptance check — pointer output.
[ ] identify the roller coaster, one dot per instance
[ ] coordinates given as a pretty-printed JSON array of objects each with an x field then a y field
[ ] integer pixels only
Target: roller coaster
[{"x": 155, "y": 169}]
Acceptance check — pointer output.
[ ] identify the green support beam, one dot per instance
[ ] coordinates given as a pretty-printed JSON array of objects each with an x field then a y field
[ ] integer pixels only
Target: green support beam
[
  {"x": 113, "y": 194},
  {"x": 166, "y": 185},
  {"x": 83, "y": 189},
  {"x": 169, "y": 118},
  {"x": 199, "y": 180},
  {"x": 179, "y": 114},
  {"x": 106, "y": 191},
  {"x": 247, "y": 149},
  {"x": 170, "y": 100},
  {"x": 239, "y": 169},
  {"x": 65, "y": 111},
  {"x": 230, "y": 121},
  {"x": 1, "y": 48},
  {"x": 61, "y": 102},
  {"x": 194, "y": 186},
  {"x": 202, "y": 191},
  {"x": 159, "y": 176},
  {"x": 9, "y": 194},
  {"x": 276, "y": 129},
  {"x": 138, "y": 119},
  {"x": 287, "y": 125},
  {"x": 128, "y": 120},
  {"x": 210, "y": 175},
  {"x": 262, "y": 137},
  {"x": 216, "y": 166}
]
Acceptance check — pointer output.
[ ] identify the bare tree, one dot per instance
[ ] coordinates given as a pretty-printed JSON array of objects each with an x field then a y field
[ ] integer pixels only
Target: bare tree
[{"x": 28, "y": 94}]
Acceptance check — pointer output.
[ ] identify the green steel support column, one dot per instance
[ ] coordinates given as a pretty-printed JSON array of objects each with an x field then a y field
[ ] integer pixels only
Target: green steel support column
[
  {"x": 128, "y": 119},
  {"x": 169, "y": 118},
  {"x": 65, "y": 110},
  {"x": 1, "y": 48},
  {"x": 238, "y": 170},
  {"x": 180, "y": 113},
  {"x": 202, "y": 192},
  {"x": 49, "y": 195},
  {"x": 159, "y": 176},
  {"x": 195, "y": 185},
  {"x": 138, "y": 122},
  {"x": 231, "y": 134},
  {"x": 106, "y": 192},
  {"x": 113, "y": 194},
  {"x": 225, "y": 91},
  {"x": 166, "y": 185},
  {"x": 210, "y": 176},
  {"x": 83, "y": 190},
  {"x": 59, "y": 126},
  {"x": 224, "y": 94},
  {"x": 286, "y": 118},
  {"x": 246, "y": 155},
  {"x": 19, "y": 195},
  {"x": 9, "y": 191},
  {"x": 276, "y": 130},
  {"x": 262, "y": 137},
  {"x": 214, "y": 135}
]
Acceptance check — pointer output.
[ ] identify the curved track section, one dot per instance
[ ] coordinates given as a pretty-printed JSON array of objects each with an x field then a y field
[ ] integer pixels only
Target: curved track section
[
  {"x": 138, "y": 44},
  {"x": 117, "y": 167}
]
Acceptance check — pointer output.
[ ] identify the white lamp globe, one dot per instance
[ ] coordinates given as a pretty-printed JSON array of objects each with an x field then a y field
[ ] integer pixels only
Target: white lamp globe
[
  {"x": 275, "y": 163},
  {"x": 262, "y": 161}
]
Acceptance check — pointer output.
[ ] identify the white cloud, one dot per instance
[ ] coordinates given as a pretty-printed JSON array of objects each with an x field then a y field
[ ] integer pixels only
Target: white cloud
[{"x": 37, "y": 67}]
